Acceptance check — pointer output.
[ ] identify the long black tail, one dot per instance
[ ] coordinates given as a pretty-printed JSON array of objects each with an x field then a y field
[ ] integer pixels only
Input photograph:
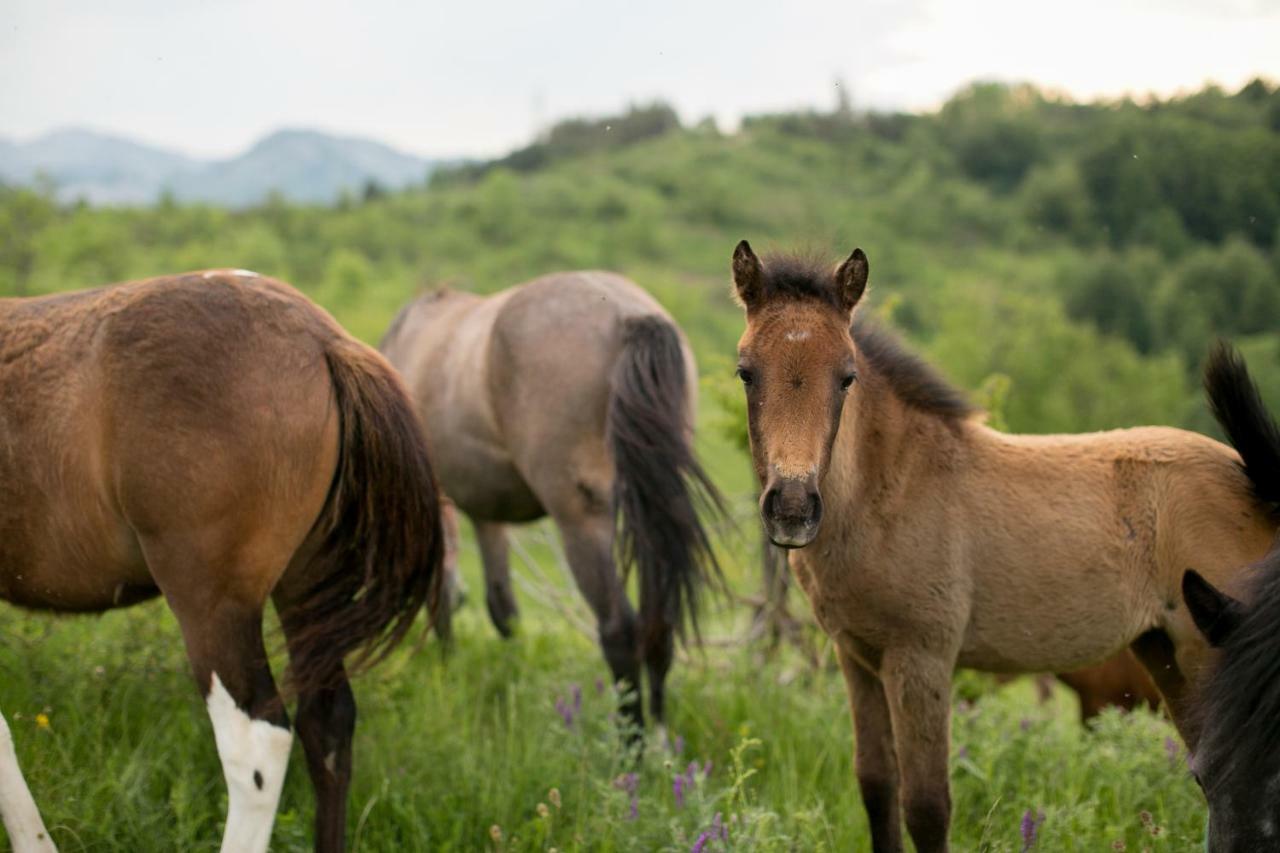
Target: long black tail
[
  {"x": 1238, "y": 407},
  {"x": 381, "y": 548},
  {"x": 659, "y": 485}
]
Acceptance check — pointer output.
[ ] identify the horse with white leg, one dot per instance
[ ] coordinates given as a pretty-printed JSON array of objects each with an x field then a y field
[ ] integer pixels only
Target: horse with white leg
[{"x": 219, "y": 440}]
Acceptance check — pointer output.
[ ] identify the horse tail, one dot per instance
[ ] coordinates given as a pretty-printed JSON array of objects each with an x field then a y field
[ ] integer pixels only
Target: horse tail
[
  {"x": 1238, "y": 407},
  {"x": 380, "y": 545},
  {"x": 659, "y": 485}
]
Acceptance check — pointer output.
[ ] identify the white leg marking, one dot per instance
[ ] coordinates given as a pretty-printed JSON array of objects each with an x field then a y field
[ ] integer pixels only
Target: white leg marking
[
  {"x": 21, "y": 817},
  {"x": 255, "y": 755}
]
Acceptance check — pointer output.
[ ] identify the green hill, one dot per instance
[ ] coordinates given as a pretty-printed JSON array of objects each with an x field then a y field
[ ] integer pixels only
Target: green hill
[{"x": 1075, "y": 260}]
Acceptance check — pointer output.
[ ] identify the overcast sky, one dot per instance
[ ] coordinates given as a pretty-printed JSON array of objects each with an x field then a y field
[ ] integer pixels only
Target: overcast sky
[{"x": 477, "y": 78}]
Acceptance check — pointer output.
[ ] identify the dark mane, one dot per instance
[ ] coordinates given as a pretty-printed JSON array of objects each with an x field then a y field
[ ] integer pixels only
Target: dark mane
[
  {"x": 798, "y": 277},
  {"x": 914, "y": 381},
  {"x": 1240, "y": 702}
]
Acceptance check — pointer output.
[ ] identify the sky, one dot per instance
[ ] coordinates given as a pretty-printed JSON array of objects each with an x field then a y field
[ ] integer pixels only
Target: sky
[{"x": 474, "y": 78}]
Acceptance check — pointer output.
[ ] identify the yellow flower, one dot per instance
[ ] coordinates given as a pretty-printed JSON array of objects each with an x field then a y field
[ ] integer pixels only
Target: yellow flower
[
  {"x": 495, "y": 832},
  {"x": 554, "y": 796},
  {"x": 42, "y": 720}
]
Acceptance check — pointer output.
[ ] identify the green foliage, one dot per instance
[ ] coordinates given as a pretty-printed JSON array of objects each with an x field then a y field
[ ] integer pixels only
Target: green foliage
[{"x": 993, "y": 133}]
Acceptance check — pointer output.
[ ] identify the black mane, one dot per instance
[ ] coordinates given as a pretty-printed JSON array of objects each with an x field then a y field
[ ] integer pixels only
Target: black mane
[
  {"x": 914, "y": 381},
  {"x": 1240, "y": 702}
]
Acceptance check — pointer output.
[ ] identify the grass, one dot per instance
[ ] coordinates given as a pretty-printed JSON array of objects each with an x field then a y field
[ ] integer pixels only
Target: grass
[{"x": 464, "y": 753}]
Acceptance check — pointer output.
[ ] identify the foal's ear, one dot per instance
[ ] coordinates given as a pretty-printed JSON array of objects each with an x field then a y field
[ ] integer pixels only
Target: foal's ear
[
  {"x": 1215, "y": 613},
  {"x": 851, "y": 279},
  {"x": 747, "y": 275}
]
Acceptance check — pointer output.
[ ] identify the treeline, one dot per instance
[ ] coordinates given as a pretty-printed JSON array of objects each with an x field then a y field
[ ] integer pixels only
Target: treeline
[{"x": 1068, "y": 263}]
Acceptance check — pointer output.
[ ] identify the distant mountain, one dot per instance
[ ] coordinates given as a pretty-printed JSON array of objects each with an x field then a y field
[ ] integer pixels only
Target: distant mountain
[
  {"x": 301, "y": 165},
  {"x": 94, "y": 166}
]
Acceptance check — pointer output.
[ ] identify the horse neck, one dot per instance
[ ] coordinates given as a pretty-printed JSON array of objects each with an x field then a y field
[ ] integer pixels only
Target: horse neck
[{"x": 881, "y": 442}]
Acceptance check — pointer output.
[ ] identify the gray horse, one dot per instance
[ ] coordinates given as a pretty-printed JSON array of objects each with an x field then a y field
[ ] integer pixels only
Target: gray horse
[{"x": 573, "y": 396}]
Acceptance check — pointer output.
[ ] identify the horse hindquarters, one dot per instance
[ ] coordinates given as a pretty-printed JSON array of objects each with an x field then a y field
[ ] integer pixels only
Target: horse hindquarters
[
  {"x": 372, "y": 562},
  {"x": 339, "y": 516}
]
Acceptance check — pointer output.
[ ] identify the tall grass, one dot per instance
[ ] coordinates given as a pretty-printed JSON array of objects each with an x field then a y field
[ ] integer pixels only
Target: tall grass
[{"x": 464, "y": 753}]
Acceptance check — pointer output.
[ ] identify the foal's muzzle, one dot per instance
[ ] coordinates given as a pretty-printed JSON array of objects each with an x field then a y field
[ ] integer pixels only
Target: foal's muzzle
[{"x": 791, "y": 509}]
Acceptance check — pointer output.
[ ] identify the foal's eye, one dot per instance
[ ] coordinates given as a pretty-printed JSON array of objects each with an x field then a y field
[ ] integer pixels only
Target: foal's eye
[
  {"x": 746, "y": 376},
  {"x": 847, "y": 381}
]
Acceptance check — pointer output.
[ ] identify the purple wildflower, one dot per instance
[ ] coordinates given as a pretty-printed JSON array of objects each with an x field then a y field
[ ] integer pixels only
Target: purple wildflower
[
  {"x": 566, "y": 713},
  {"x": 963, "y": 753},
  {"x": 1030, "y": 827},
  {"x": 677, "y": 788},
  {"x": 599, "y": 686},
  {"x": 701, "y": 842},
  {"x": 678, "y": 746},
  {"x": 629, "y": 782},
  {"x": 1024, "y": 723},
  {"x": 691, "y": 773},
  {"x": 577, "y": 698},
  {"x": 718, "y": 829},
  {"x": 706, "y": 769}
]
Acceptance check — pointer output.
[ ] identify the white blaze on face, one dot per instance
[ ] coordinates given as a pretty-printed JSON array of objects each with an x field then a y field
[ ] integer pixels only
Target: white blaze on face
[
  {"x": 21, "y": 817},
  {"x": 255, "y": 755},
  {"x": 798, "y": 335}
]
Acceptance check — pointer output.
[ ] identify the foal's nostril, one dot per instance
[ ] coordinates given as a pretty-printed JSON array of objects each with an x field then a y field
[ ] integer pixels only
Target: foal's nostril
[
  {"x": 769, "y": 503},
  {"x": 815, "y": 508}
]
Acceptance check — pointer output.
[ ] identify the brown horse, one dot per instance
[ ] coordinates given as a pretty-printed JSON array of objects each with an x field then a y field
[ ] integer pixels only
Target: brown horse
[
  {"x": 217, "y": 439},
  {"x": 573, "y": 396},
  {"x": 928, "y": 541}
]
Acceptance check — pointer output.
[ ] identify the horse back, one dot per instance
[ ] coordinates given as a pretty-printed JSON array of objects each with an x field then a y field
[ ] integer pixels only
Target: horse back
[{"x": 1089, "y": 535}]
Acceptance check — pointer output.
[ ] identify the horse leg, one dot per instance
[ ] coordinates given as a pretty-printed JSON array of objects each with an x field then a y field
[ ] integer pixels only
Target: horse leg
[
  {"x": 250, "y": 727},
  {"x": 325, "y": 719},
  {"x": 588, "y": 545},
  {"x": 1156, "y": 652},
  {"x": 918, "y": 689},
  {"x": 659, "y": 650},
  {"x": 213, "y": 581},
  {"x": 494, "y": 553},
  {"x": 874, "y": 761},
  {"x": 17, "y": 807}
]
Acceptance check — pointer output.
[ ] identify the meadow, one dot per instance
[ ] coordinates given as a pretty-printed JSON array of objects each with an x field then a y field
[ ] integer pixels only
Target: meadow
[{"x": 1067, "y": 264}]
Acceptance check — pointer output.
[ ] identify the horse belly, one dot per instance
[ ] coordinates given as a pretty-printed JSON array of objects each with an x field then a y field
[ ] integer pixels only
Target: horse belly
[
  {"x": 1055, "y": 620},
  {"x": 485, "y": 483},
  {"x": 76, "y": 565}
]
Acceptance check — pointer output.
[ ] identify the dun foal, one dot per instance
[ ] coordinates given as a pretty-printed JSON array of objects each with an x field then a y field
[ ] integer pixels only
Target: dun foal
[
  {"x": 219, "y": 440},
  {"x": 926, "y": 541}
]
